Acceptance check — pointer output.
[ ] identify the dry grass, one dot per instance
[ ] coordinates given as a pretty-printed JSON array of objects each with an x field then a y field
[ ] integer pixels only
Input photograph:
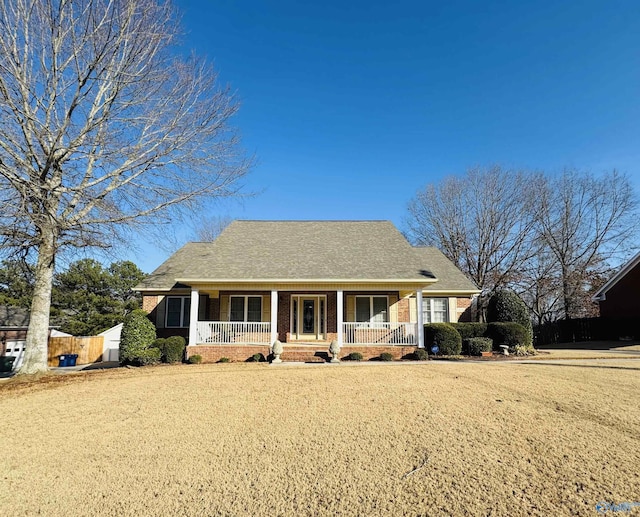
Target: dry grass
[{"x": 423, "y": 439}]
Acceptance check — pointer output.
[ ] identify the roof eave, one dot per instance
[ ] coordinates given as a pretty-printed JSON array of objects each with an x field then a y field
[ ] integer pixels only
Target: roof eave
[{"x": 600, "y": 294}]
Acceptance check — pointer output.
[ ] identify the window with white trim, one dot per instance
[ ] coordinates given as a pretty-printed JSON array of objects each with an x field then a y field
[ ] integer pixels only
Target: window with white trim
[
  {"x": 178, "y": 311},
  {"x": 372, "y": 309},
  {"x": 245, "y": 308},
  {"x": 435, "y": 310}
]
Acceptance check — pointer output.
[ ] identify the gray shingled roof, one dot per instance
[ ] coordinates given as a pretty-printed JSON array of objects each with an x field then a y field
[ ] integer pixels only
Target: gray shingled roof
[
  {"x": 296, "y": 250},
  {"x": 450, "y": 278},
  {"x": 13, "y": 316}
]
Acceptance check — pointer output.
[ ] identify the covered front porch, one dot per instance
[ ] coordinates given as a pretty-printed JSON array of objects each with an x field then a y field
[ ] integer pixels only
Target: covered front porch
[{"x": 363, "y": 315}]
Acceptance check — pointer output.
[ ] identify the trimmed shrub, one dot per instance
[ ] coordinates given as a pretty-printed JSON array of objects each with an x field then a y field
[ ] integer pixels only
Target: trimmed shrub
[
  {"x": 160, "y": 344},
  {"x": 138, "y": 334},
  {"x": 256, "y": 358},
  {"x": 477, "y": 345},
  {"x": 173, "y": 349},
  {"x": 444, "y": 336},
  {"x": 507, "y": 306},
  {"x": 510, "y": 334},
  {"x": 421, "y": 354},
  {"x": 147, "y": 357},
  {"x": 468, "y": 330},
  {"x": 354, "y": 356},
  {"x": 195, "y": 359},
  {"x": 386, "y": 356},
  {"x": 224, "y": 360}
]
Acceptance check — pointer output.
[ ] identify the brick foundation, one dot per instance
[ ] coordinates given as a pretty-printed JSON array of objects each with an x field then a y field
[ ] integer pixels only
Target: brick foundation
[
  {"x": 235, "y": 353},
  {"x": 300, "y": 353}
]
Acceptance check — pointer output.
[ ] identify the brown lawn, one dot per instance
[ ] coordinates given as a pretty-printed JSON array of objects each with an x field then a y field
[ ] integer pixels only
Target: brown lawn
[{"x": 387, "y": 439}]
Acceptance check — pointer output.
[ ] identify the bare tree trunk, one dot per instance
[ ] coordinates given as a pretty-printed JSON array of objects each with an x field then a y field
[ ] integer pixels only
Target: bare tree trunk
[{"x": 35, "y": 359}]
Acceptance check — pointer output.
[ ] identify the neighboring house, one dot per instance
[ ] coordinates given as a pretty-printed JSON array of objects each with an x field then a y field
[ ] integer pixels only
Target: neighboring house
[
  {"x": 111, "y": 347},
  {"x": 14, "y": 322},
  {"x": 305, "y": 283},
  {"x": 618, "y": 298}
]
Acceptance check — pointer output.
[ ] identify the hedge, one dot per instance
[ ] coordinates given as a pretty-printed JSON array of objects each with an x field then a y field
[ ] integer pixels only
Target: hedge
[
  {"x": 468, "y": 330},
  {"x": 477, "y": 345},
  {"x": 510, "y": 334},
  {"x": 445, "y": 336}
]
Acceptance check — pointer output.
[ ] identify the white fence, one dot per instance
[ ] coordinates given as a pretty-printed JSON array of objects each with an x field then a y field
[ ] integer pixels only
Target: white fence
[
  {"x": 232, "y": 332},
  {"x": 380, "y": 333}
]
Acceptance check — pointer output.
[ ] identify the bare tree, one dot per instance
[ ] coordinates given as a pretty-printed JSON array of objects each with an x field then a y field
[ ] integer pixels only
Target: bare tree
[
  {"x": 102, "y": 125},
  {"x": 209, "y": 228},
  {"x": 482, "y": 222},
  {"x": 584, "y": 221}
]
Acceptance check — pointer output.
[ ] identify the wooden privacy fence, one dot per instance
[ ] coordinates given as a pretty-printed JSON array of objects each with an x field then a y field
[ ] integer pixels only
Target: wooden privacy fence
[
  {"x": 89, "y": 349},
  {"x": 586, "y": 329}
]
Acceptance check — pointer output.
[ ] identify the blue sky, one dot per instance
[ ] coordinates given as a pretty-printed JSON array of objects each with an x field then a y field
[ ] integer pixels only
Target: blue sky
[{"x": 351, "y": 107}]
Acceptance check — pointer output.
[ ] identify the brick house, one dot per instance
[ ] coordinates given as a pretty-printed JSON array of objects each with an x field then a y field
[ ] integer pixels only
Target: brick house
[
  {"x": 305, "y": 283},
  {"x": 618, "y": 298}
]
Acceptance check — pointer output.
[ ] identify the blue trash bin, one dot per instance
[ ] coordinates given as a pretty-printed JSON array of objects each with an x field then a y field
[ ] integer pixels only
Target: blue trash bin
[
  {"x": 71, "y": 359},
  {"x": 62, "y": 360}
]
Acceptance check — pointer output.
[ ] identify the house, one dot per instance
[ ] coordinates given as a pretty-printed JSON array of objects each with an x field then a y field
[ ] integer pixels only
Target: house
[
  {"x": 304, "y": 283},
  {"x": 618, "y": 298},
  {"x": 14, "y": 322}
]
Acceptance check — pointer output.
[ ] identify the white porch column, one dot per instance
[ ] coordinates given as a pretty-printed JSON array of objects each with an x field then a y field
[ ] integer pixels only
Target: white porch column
[
  {"x": 193, "y": 317},
  {"x": 420, "y": 318},
  {"x": 274, "y": 316},
  {"x": 340, "y": 316}
]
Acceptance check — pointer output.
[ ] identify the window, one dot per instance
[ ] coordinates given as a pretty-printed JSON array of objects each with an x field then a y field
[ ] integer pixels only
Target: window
[
  {"x": 178, "y": 311},
  {"x": 372, "y": 309},
  {"x": 245, "y": 308},
  {"x": 434, "y": 310}
]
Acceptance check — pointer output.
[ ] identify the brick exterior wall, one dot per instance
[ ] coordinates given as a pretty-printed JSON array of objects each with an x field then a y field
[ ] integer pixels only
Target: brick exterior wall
[
  {"x": 404, "y": 313},
  {"x": 149, "y": 302},
  {"x": 622, "y": 298},
  {"x": 464, "y": 309},
  {"x": 242, "y": 353},
  {"x": 236, "y": 353}
]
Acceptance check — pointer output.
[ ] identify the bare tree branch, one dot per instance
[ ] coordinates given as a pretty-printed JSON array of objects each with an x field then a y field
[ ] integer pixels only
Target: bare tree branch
[{"x": 103, "y": 125}]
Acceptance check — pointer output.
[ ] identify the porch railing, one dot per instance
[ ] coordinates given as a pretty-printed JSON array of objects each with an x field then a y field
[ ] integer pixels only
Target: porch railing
[
  {"x": 375, "y": 333},
  {"x": 233, "y": 332}
]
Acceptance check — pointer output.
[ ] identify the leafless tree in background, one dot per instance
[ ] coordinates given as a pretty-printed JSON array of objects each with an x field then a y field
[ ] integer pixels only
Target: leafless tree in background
[
  {"x": 584, "y": 221},
  {"x": 550, "y": 238},
  {"x": 101, "y": 126},
  {"x": 483, "y": 222},
  {"x": 208, "y": 228}
]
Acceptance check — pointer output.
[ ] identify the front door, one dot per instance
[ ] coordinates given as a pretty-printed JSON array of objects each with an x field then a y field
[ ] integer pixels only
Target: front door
[
  {"x": 308, "y": 317},
  {"x": 308, "y": 323}
]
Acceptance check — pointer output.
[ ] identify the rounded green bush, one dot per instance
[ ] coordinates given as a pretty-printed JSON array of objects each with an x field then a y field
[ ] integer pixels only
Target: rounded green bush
[
  {"x": 386, "y": 356},
  {"x": 477, "y": 345},
  {"x": 470, "y": 329},
  {"x": 256, "y": 358},
  {"x": 174, "y": 349},
  {"x": 444, "y": 336},
  {"x": 510, "y": 334},
  {"x": 138, "y": 334},
  {"x": 506, "y": 306},
  {"x": 195, "y": 359},
  {"x": 147, "y": 357},
  {"x": 224, "y": 360},
  {"x": 354, "y": 356},
  {"x": 421, "y": 354}
]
